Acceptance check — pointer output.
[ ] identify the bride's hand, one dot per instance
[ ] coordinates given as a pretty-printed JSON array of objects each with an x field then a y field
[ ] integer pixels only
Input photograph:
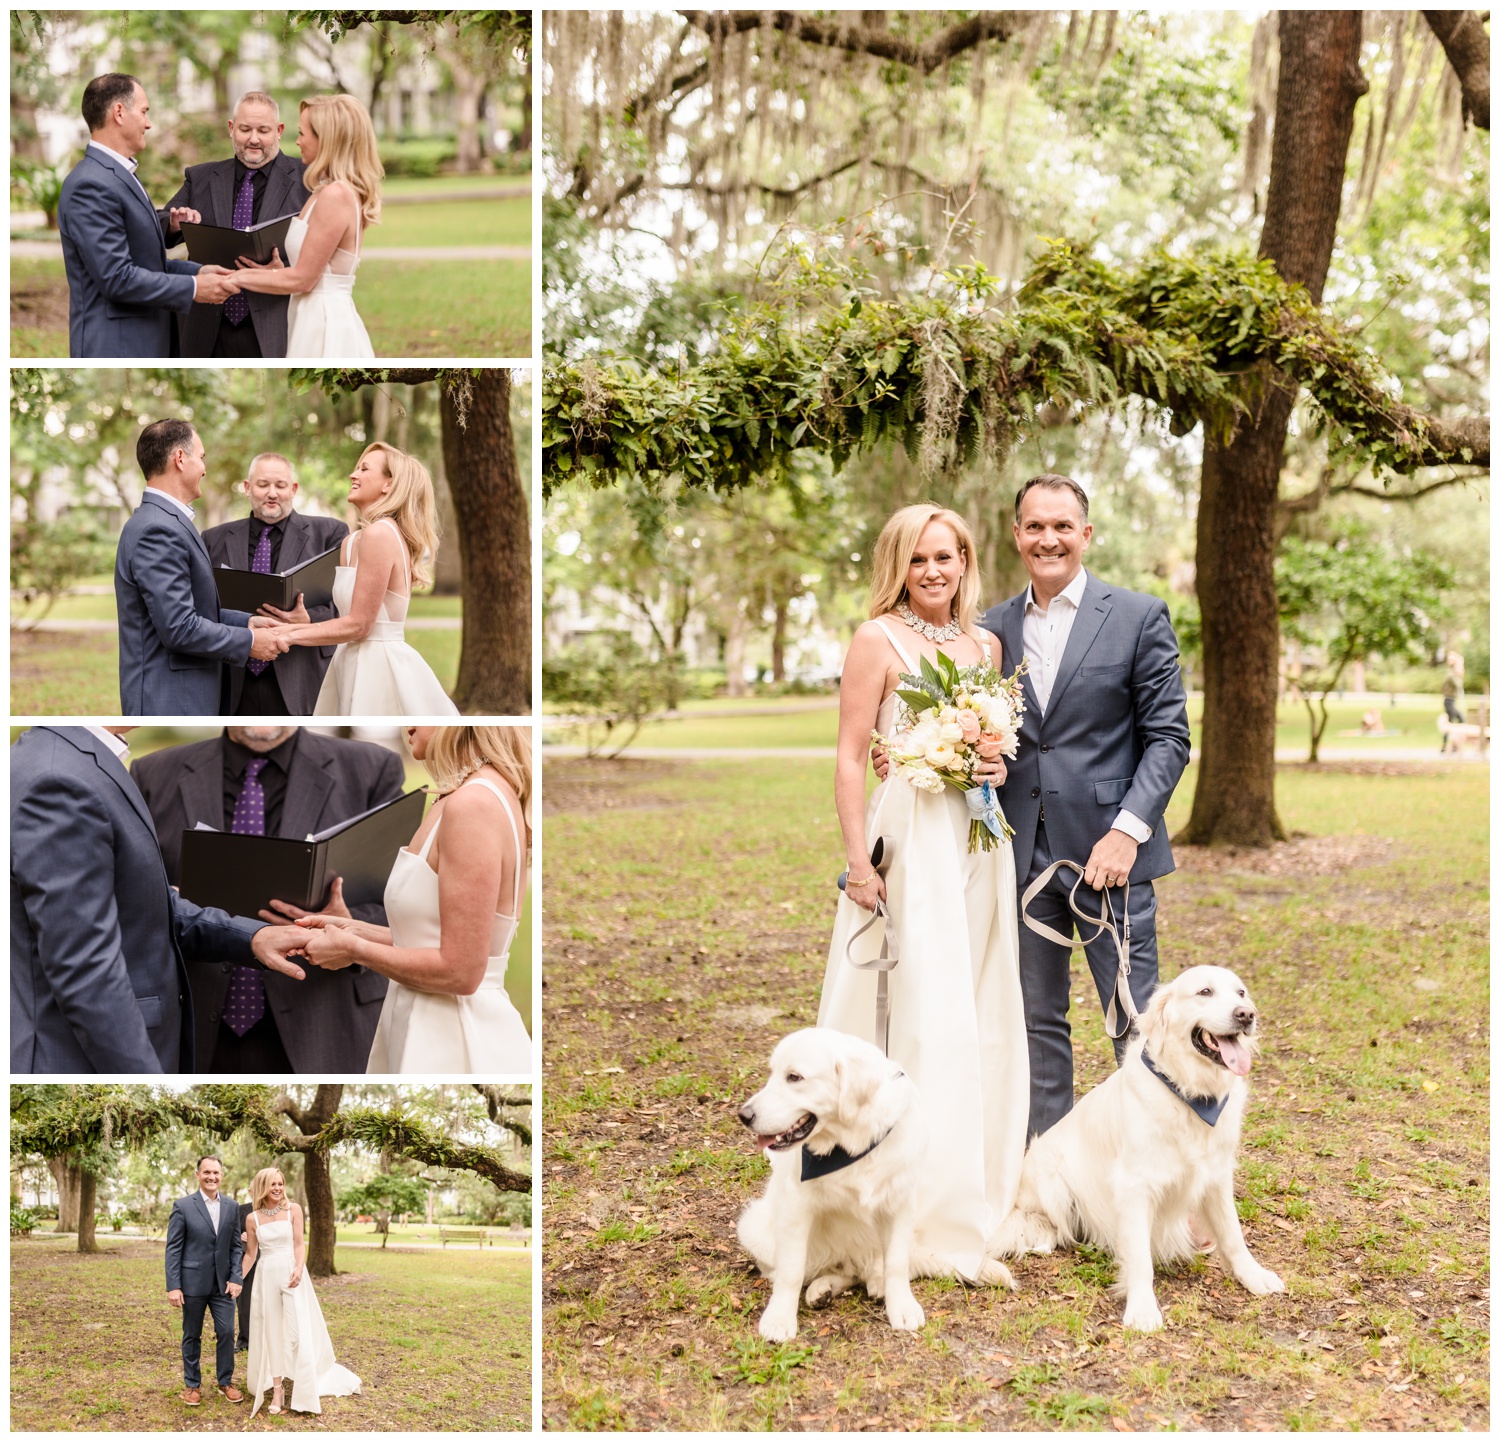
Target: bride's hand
[
  {"x": 283, "y": 911},
  {"x": 293, "y": 1277},
  {"x": 332, "y": 943},
  {"x": 867, "y": 895}
]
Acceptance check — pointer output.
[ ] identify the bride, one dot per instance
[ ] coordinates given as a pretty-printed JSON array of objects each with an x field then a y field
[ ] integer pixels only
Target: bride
[
  {"x": 956, "y": 1023},
  {"x": 343, "y": 178},
  {"x": 374, "y": 672},
  {"x": 453, "y": 902},
  {"x": 288, "y": 1339}
]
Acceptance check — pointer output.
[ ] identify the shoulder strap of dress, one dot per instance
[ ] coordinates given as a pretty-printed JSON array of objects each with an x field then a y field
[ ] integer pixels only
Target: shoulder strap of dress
[
  {"x": 401, "y": 541},
  {"x": 898, "y": 647},
  {"x": 515, "y": 906},
  {"x": 427, "y": 845}
]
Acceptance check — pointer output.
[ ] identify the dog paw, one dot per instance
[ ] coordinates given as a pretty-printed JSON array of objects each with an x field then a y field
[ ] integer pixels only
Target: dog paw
[
  {"x": 1143, "y": 1316},
  {"x": 994, "y": 1273},
  {"x": 822, "y": 1290},
  {"x": 1260, "y": 1281},
  {"x": 906, "y": 1315},
  {"x": 775, "y": 1327}
]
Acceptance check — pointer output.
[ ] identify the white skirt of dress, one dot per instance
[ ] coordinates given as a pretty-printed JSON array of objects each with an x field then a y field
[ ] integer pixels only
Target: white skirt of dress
[
  {"x": 465, "y": 1035},
  {"x": 377, "y": 677},
  {"x": 324, "y": 325}
]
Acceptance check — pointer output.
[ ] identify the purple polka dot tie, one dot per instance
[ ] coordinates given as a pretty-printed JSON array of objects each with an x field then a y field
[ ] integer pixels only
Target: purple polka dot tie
[
  {"x": 245, "y": 1003},
  {"x": 237, "y": 307},
  {"x": 260, "y": 561}
]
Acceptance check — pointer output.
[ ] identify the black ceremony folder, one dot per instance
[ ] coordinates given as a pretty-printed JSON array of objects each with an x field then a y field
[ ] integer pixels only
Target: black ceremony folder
[
  {"x": 242, "y": 874},
  {"x": 250, "y": 590},
  {"x": 224, "y": 245}
]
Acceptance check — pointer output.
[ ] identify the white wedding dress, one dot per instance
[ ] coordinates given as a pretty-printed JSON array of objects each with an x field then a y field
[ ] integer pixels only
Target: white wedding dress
[
  {"x": 423, "y": 1031},
  {"x": 381, "y": 675},
  {"x": 288, "y": 1337},
  {"x": 956, "y": 1021},
  {"x": 323, "y": 324}
]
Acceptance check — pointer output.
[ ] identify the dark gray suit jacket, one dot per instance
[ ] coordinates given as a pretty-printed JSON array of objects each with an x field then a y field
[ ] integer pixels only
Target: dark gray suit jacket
[
  {"x": 1115, "y": 736},
  {"x": 200, "y": 1261},
  {"x": 300, "y": 671},
  {"x": 327, "y": 1022},
  {"x": 173, "y": 637},
  {"x": 209, "y": 189},
  {"x": 98, "y": 939}
]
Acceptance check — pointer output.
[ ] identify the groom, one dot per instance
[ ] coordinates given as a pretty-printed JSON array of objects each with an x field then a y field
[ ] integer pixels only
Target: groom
[
  {"x": 203, "y": 1271},
  {"x": 173, "y": 636},
  {"x": 1103, "y": 744},
  {"x": 121, "y": 286}
]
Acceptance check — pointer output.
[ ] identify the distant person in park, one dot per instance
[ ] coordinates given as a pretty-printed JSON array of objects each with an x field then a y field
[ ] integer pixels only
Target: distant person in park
[
  {"x": 374, "y": 671},
  {"x": 173, "y": 637},
  {"x": 258, "y": 184},
  {"x": 274, "y": 781},
  {"x": 275, "y": 537},
  {"x": 289, "y": 1341},
  {"x": 343, "y": 175},
  {"x": 122, "y": 289},
  {"x": 99, "y": 941},
  {"x": 203, "y": 1272},
  {"x": 1453, "y": 689},
  {"x": 453, "y": 902}
]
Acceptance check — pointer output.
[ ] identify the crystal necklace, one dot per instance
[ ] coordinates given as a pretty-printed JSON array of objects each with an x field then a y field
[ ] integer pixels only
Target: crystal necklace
[{"x": 938, "y": 634}]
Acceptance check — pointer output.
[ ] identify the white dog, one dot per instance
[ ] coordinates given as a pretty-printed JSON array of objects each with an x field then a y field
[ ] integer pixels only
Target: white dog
[
  {"x": 1128, "y": 1166},
  {"x": 843, "y": 1129}
]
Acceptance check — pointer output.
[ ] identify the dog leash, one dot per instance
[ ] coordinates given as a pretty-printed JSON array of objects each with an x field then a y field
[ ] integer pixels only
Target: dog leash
[
  {"x": 1119, "y": 933},
  {"x": 880, "y": 861}
]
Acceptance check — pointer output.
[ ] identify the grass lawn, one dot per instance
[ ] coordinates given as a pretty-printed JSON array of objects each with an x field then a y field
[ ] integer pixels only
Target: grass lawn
[
  {"x": 410, "y": 307},
  {"x": 688, "y": 908},
  {"x": 440, "y": 1341},
  {"x": 455, "y": 185},
  {"x": 102, "y": 607},
  {"x": 798, "y": 726},
  {"x": 413, "y": 1232},
  {"x": 453, "y": 222}
]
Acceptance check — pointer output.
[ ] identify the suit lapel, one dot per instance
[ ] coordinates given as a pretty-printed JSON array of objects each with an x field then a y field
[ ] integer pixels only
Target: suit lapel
[
  {"x": 294, "y": 545},
  {"x": 278, "y": 183},
  {"x": 201, "y": 787},
  {"x": 221, "y": 193},
  {"x": 123, "y": 176},
  {"x": 307, "y": 786},
  {"x": 239, "y": 545},
  {"x": 182, "y": 521},
  {"x": 1091, "y": 616},
  {"x": 1014, "y": 644},
  {"x": 112, "y": 767}
]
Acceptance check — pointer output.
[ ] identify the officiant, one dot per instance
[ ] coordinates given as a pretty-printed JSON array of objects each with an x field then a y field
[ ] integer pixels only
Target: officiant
[
  {"x": 258, "y": 184},
  {"x": 273, "y": 781},
  {"x": 275, "y": 537}
]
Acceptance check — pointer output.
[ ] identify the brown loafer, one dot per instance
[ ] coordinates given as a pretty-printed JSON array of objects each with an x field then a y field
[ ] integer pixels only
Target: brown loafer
[
  {"x": 192, "y": 1396},
  {"x": 231, "y": 1393}
]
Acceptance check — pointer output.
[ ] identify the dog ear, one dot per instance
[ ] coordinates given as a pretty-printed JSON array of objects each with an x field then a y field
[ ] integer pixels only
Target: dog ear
[
  {"x": 859, "y": 1077},
  {"x": 1156, "y": 1019}
]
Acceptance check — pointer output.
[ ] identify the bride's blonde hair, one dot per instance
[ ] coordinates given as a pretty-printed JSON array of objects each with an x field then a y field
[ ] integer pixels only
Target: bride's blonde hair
[
  {"x": 347, "y": 150},
  {"x": 260, "y": 1185},
  {"x": 456, "y": 752},
  {"x": 895, "y": 548},
  {"x": 410, "y": 503}
]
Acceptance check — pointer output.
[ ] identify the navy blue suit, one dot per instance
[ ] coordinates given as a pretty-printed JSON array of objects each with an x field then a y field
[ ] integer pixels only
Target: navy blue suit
[
  {"x": 173, "y": 636},
  {"x": 121, "y": 286},
  {"x": 1114, "y": 737},
  {"x": 201, "y": 1262},
  {"x": 98, "y": 939}
]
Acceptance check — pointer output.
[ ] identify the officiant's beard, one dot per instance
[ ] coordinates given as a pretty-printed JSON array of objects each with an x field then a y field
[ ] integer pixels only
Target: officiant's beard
[{"x": 260, "y": 738}]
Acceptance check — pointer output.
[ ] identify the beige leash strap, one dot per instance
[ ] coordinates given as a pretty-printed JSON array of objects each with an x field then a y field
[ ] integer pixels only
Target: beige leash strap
[
  {"x": 880, "y": 860},
  {"x": 1119, "y": 933}
]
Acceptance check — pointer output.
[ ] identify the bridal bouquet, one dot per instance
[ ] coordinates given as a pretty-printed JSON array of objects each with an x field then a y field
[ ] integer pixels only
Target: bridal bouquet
[{"x": 950, "y": 718}]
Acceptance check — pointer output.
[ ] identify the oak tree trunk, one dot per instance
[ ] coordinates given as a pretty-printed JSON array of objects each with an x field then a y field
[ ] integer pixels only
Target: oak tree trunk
[
  {"x": 318, "y": 1182},
  {"x": 1234, "y": 804},
  {"x": 87, "y": 1189},
  {"x": 494, "y": 541},
  {"x": 67, "y": 1174},
  {"x": 778, "y": 641}
]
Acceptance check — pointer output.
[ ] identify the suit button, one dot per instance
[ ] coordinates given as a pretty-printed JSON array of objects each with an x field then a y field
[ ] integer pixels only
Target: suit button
[
  {"x": 227, "y": 969},
  {"x": 1036, "y": 790},
  {"x": 213, "y": 1016},
  {"x": 1046, "y": 748}
]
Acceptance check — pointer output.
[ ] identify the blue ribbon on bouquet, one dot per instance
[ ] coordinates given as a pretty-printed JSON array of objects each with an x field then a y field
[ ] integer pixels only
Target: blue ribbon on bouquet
[{"x": 984, "y": 806}]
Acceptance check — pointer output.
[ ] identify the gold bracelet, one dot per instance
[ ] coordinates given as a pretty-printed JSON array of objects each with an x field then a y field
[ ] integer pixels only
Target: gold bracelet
[{"x": 852, "y": 882}]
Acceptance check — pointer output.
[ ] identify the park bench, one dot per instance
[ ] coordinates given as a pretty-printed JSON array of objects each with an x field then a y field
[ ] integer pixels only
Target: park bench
[
  {"x": 1471, "y": 735},
  {"x": 484, "y": 1236}
]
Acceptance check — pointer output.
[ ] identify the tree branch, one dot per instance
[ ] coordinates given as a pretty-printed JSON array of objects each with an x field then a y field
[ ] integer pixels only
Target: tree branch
[
  {"x": 1466, "y": 43},
  {"x": 866, "y": 39}
]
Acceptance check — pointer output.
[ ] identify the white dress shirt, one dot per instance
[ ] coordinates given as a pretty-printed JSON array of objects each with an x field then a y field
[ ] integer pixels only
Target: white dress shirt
[
  {"x": 213, "y": 1204},
  {"x": 1044, "y": 639},
  {"x": 115, "y": 743},
  {"x": 182, "y": 506}
]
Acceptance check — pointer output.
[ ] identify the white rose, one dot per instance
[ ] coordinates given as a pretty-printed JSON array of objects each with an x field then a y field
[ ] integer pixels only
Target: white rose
[
  {"x": 924, "y": 778},
  {"x": 951, "y": 732},
  {"x": 942, "y": 755}
]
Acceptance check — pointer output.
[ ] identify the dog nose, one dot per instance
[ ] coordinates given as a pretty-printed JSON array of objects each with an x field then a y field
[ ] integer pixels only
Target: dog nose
[
  {"x": 1245, "y": 1015},
  {"x": 747, "y": 1114}
]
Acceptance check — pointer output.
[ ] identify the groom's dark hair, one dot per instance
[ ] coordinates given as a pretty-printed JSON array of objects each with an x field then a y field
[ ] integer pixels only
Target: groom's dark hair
[
  {"x": 210, "y": 1157},
  {"x": 155, "y": 444},
  {"x": 1054, "y": 482},
  {"x": 104, "y": 91}
]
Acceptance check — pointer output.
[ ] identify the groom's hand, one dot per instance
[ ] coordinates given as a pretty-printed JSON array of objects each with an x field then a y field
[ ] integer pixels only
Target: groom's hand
[
  {"x": 265, "y": 644},
  {"x": 1110, "y": 861},
  {"x": 175, "y": 1297},
  {"x": 213, "y": 285},
  {"x": 272, "y": 945}
]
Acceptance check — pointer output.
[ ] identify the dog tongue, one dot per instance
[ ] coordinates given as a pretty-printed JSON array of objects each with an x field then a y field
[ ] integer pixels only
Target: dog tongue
[{"x": 1236, "y": 1054}]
